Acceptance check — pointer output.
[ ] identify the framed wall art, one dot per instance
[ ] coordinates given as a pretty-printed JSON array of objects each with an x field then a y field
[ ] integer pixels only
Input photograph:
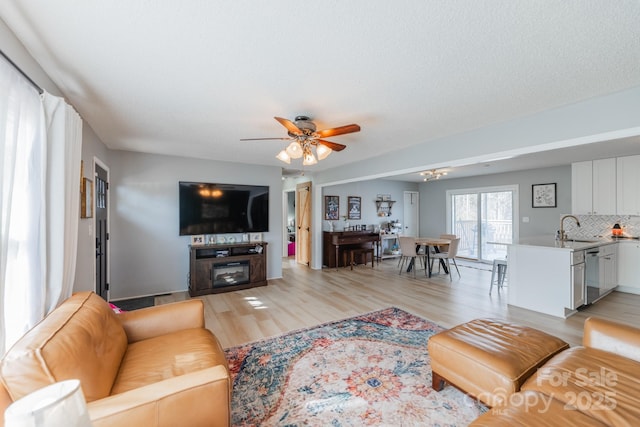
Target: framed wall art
[
  {"x": 353, "y": 204},
  {"x": 86, "y": 198},
  {"x": 543, "y": 195},
  {"x": 331, "y": 208}
]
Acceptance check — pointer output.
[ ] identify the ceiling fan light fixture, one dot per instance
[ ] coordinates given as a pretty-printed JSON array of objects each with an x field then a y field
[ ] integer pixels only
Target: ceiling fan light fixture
[
  {"x": 282, "y": 155},
  {"x": 294, "y": 150},
  {"x": 309, "y": 159},
  {"x": 323, "y": 151}
]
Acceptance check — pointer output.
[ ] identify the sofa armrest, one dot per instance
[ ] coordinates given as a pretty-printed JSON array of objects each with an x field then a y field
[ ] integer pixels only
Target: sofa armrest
[
  {"x": 162, "y": 319},
  {"x": 5, "y": 401},
  {"x": 200, "y": 398},
  {"x": 614, "y": 337}
]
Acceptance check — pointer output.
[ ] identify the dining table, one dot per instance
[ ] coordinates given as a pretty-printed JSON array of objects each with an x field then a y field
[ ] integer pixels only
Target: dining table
[{"x": 435, "y": 243}]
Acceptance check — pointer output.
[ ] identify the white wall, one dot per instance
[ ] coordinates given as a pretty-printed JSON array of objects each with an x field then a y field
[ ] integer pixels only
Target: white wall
[
  {"x": 368, "y": 191},
  {"x": 147, "y": 254},
  {"x": 541, "y": 220}
]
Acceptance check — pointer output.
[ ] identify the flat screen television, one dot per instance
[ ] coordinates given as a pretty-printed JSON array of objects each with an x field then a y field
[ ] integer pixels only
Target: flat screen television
[{"x": 207, "y": 208}]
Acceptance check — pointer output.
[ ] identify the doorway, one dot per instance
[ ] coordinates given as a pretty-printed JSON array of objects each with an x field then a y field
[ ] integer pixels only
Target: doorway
[
  {"x": 101, "y": 209},
  {"x": 483, "y": 218},
  {"x": 411, "y": 216},
  {"x": 303, "y": 223}
]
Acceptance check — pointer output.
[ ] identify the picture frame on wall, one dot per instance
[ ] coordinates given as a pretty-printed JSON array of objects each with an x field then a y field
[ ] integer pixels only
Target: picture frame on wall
[
  {"x": 331, "y": 208},
  {"x": 354, "y": 207},
  {"x": 543, "y": 195}
]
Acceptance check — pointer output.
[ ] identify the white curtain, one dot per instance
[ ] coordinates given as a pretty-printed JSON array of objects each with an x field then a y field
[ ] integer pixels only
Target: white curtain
[{"x": 39, "y": 203}]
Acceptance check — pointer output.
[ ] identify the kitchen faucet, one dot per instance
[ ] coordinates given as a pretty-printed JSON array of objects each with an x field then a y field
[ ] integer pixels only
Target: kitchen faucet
[{"x": 562, "y": 234}]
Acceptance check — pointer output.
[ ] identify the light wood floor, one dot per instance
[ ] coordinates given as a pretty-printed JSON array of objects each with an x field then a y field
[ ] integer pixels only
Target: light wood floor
[{"x": 306, "y": 297}]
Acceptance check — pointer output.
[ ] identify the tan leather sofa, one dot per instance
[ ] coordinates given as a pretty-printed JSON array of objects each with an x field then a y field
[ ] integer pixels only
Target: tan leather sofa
[
  {"x": 156, "y": 366},
  {"x": 596, "y": 384}
]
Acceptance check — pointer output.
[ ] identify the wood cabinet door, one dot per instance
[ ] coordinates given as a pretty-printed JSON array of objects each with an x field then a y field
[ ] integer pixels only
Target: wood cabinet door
[
  {"x": 257, "y": 267},
  {"x": 202, "y": 279}
]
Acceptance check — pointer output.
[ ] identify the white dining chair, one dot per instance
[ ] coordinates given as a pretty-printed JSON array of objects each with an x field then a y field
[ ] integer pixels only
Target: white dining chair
[
  {"x": 408, "y": 253},
  {"x": 449, "y": 255}
]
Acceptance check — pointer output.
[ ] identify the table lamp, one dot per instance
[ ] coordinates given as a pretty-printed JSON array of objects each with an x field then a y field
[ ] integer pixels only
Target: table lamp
[{"x": 61, "y": 404}]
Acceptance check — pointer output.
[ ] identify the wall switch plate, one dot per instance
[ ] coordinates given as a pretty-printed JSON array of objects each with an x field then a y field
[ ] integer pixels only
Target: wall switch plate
[{"x": 525, "y": 219}]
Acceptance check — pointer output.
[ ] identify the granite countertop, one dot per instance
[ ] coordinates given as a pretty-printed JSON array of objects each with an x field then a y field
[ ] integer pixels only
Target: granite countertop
[{"x": 550, "y": 242}]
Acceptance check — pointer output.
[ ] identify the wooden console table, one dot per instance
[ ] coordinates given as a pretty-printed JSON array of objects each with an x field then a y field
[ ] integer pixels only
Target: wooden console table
[
  {"x": 228, "y": 267},
  {"x": 335, "y": 242}
]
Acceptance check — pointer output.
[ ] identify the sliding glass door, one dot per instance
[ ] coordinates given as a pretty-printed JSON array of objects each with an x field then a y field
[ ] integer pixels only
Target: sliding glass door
[{"x": 483, "y": 218}]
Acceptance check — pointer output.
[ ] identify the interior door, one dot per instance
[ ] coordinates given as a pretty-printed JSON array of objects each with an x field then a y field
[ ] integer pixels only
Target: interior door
[
  {"x": 102, "y": 231},
  {"x": 303, "y": 223},
  {"x": 411, "y": 215}
]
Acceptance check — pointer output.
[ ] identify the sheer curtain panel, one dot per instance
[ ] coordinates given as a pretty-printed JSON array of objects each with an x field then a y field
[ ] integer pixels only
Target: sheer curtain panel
[{"x": 39, "y": 203}]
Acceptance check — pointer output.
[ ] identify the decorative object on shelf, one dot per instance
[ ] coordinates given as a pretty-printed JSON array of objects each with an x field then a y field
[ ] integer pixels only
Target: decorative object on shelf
[
  {"x": 197, "y": 240},
  {"x": 433, "y": 174},
  {"x": 543, "y": 195},
  {"x": 302, "y": 132},
  {"x": 255, "y": 237},
  {"x": 330, "y": 225},
  {"x": 210, "y": 239},
  {"x": 616, "y": 230},
  {"x": 231, "y": 239},
  {"x": 58, "y": 404},
  {"x": 331, "y": 208},
  {"x": 353, "y": 204},
  {"x": 221, "y": 239},
  {"x": 384, "y": 205},
  {"x": 245, "y": 237}
]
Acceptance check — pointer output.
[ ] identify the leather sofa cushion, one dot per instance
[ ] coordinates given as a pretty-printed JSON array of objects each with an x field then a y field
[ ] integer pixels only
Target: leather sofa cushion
[
  {"x": 166, "y": 356},
  {"x": 81, "y": 339},
  {"x": 599, "y": 383},
  {"x": 530, "y": 408}
]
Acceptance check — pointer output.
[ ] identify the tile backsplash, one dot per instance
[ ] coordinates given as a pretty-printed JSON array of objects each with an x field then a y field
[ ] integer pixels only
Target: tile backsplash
[{"x": 600, "y": 225}]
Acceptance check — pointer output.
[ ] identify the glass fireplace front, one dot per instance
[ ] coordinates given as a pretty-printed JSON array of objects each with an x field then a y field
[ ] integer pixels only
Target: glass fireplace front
[{"x": 230, "y": 274}]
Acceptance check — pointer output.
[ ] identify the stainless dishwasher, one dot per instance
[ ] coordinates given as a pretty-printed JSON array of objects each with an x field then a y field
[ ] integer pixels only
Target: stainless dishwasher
[{"x": 592, "y": 275}]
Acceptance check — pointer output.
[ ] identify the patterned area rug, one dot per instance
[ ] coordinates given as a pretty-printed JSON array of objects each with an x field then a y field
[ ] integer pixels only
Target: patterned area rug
[{"x": 372, "y": 369}]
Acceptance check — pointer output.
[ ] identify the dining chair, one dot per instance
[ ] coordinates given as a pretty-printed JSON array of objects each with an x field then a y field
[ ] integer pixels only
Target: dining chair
[
  {"x": 444, "y": 248},
  {"x": 408, "y": 252},
  {"x": 449, "y": 255}
]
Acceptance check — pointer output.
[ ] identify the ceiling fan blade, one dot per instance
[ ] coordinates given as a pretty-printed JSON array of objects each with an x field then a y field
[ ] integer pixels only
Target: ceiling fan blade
[
  {"x": 264, "y": 139},
  {"x": 338, "y": 131},
  {"x": 333, "y": 145},
  {"x": 291, "y": 127}
]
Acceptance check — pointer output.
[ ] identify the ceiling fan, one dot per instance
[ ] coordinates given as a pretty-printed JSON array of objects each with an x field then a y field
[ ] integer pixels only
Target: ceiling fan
[{"x": 302, "y": 132}]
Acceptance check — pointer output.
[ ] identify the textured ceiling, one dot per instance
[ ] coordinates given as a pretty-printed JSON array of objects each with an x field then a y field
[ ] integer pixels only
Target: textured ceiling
[{"x": 192, "y": 78}]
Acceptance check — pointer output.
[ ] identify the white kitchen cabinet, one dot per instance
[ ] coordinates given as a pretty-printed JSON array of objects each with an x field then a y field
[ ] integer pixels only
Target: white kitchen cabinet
[
  {"x": 628, "y": 191},
  {"x": 593, "y": 187},
  {"x": 578, "y": 291},
  {"x": 608, "y": 267},
  {"x": 629, "y": 267}
]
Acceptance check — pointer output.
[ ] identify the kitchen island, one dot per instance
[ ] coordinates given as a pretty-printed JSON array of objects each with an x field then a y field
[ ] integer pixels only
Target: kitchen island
[{"x": 551, "y": 276}]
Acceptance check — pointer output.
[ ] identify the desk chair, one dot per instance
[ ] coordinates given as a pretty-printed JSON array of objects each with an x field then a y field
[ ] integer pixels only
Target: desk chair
[{"x": 450, "y": 254}]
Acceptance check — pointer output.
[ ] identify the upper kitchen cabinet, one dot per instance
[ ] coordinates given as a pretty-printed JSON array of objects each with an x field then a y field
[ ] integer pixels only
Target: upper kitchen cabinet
[
  {"x": 593, "y": 187},
  {"x": 628, "y": 194}
]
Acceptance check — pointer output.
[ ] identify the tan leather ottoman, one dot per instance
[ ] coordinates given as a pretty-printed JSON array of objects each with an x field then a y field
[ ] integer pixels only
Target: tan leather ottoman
[{"x": 488, "y": 358}]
